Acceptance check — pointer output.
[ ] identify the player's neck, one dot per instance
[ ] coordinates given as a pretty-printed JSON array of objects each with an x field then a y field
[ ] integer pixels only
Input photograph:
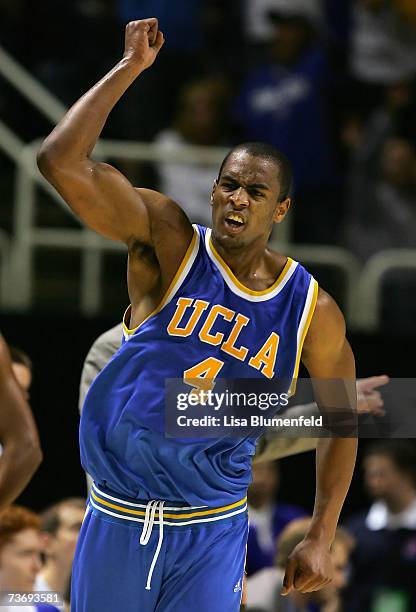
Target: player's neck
[
  {"x": 244, "y": 261},
  {"x": 256, "y": 266}
]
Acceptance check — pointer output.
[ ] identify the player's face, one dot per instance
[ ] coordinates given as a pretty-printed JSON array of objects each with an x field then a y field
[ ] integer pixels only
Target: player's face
[
  {"x": 245, "y": 201},
  {"x": 20, "y": 561}
]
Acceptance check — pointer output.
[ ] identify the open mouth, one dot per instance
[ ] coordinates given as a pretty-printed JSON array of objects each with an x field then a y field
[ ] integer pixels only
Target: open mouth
[{"x": 234, "y": 222}]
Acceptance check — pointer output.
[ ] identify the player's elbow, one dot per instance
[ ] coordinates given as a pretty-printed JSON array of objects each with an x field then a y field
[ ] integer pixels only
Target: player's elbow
[
  {"x": 24, "y": 455},
  {"x": 32, "y": 456},
  {"x": 48, "y": 160}
]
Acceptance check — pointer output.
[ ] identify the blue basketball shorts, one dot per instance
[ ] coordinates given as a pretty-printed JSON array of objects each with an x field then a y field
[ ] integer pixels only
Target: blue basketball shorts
[{"x": 158, "y": 556}]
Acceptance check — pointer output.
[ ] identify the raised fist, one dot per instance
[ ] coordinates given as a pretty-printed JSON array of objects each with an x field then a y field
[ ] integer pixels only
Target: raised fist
[{"x": 143, "y": 41}]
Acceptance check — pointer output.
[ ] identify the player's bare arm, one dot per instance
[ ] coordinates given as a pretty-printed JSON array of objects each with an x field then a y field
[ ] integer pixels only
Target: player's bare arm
[
  {"x": 98, "y": 193},
  {"x": 21, "y": 454},
  {"x": 327, "y": 355}
]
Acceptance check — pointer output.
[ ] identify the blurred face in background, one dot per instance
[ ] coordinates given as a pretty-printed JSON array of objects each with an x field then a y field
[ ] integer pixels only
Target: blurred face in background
[
  {"x": 61, "y": 545},
  {"x": 291, "y": 38},
  {"x": 265, "y": 484},
  {"x": 398, "y": 162},
  {"x": 202, "y": 111},
  {"x": 20, "y": 561},
  {"x": 23, "y": 376},
  {"x": 383, "y": 479}
]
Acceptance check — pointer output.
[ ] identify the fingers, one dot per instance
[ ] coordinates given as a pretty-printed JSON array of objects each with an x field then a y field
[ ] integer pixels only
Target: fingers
[
  {"x": 150, "y": 26},
  {"x": 159, "y": 42},
  {"x": 304, "y": 580},
  {"x": 289, "y": 577},
  {"x": 368, "y": 384},
  {"x": 371, "y": 403},
  {"x": 369, "y": 400},
  {"x": 308, "y": 585}
]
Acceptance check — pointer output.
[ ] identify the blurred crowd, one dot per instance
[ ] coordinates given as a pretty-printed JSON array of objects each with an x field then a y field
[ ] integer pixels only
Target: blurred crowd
[
  {"x": 374, "y": 551},
  {"x": 331, "y": 84}
]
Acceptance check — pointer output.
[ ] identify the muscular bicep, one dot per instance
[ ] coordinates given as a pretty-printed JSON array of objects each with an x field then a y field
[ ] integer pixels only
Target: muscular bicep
[
  {"x": 328, "y": 357},
  {"x": 101, "y": 197},
  {"x": 326, "y": 352}
]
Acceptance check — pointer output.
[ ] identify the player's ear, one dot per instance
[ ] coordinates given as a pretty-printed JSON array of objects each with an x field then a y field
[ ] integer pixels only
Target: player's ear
[
  {"x": 214, "y": 186},
  {"x": 281, "y": 210}
]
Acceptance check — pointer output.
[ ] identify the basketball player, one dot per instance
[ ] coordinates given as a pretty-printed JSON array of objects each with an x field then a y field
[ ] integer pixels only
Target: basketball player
[
  {"x": 21, "y": 453},
  {"x": 168, "y": 525}
]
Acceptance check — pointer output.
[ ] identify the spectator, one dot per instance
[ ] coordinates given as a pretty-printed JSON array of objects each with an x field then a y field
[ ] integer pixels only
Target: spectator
[
  {"x": 267, "y": 517},
  {"x": 393, "y": 117},
  {"x": 20, "y": 555},
  {"x": 284, "y": 103},
  {"x": 201, "y": 119},
  {"x": 60, "y": 525},
  {"x": 383, "y": 43},
  {"x": 382, "y": 208},
  {"x": 384, "y": 560},
  {"x": 263, "y": 589}
]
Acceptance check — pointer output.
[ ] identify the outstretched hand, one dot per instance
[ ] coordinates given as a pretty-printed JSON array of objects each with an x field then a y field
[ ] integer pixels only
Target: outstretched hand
[
  {"x": 369, "y": 400},
  {"x": 308, "y": 568},
  {"x": 143, "y": 41}
]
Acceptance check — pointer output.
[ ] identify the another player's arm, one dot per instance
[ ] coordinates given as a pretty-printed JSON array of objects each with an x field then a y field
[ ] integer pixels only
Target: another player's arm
[
  {"x": 327, "y": 355},
  {"x": 98, "y": 193},
  {"x": 21, "y": 454}
]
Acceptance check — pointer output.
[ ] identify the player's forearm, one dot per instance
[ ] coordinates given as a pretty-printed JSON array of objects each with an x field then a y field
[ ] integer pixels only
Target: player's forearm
[
  {"x": 75, "y": 136},
  {"x": 335, "y": 461},
  {"x": 18, "y": 463}
]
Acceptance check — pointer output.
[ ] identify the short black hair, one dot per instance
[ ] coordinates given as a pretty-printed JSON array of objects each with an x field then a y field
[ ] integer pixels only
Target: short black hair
[
  {"x": 269, "y": 152},
  {"x": 401, "y": 452},
  {"x": 51, "y": 517},
  {"x": 17, "y": 355}
]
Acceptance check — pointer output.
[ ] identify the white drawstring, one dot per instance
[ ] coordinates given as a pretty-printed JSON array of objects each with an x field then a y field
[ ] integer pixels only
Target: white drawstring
[{"x": 149, "y": 520}]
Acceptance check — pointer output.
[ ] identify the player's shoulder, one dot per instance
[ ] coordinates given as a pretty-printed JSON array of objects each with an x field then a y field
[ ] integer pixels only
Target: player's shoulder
[
  {"x": 327, "y": 325},
  {"x": 159, "y": 203},
  {"x": 327, "y": 309},
  {"x": 167, "y": 218}
]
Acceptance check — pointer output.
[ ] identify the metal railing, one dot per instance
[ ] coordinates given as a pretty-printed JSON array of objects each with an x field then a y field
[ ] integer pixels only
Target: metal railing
[
  {"x": 363, "y": 286},
  {"x": 367, "y": 308}
]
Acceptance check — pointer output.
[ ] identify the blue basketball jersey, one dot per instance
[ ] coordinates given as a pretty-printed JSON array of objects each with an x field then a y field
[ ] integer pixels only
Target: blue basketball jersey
[{"x": 208, "y": 324}]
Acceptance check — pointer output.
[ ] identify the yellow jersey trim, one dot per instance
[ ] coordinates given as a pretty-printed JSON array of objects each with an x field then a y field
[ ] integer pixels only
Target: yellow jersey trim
[
  {"x": 168, "y": 515},
  {"x": 165, "y": 298},
  {"x": 240, "y": 285},
  {"x": 305, "y": 329}
]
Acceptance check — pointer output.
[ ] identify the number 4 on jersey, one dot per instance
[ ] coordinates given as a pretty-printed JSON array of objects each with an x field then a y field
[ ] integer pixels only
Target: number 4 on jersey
[{"x": 202, "y": 375}]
